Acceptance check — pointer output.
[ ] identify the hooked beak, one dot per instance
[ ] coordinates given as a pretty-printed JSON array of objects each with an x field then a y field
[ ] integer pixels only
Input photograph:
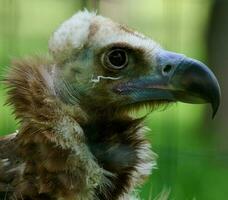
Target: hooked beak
[{"x": 175, "y": 78}]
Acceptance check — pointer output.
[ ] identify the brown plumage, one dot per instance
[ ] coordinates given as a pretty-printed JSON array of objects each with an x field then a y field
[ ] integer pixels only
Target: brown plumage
[
  {"x": 76, "y": 139},
  {"x": 51, "y": 168}
]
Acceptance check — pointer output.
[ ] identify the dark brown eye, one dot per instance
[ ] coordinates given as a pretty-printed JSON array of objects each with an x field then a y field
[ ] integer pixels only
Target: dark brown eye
[{"x": 116, "y": 59}]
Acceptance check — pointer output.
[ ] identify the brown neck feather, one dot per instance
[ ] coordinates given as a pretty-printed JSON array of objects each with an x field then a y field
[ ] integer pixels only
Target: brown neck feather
[{"x": 116, "y": 142}]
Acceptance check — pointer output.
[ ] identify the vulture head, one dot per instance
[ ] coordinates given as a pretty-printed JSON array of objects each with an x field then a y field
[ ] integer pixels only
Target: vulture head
[
  {"x": 76, "y": 139},
  {"x": 109, "y": 68}
]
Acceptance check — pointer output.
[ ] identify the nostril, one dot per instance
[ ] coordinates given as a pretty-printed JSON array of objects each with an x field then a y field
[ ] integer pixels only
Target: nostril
[{"x": 167, "y": 69}]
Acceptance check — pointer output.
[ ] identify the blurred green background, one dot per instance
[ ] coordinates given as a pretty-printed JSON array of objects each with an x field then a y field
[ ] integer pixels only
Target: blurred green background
[{"x": 192, "y": 149}]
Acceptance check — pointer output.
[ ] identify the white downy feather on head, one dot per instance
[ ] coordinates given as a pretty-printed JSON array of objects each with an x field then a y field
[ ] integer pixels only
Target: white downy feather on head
[
  {"x": 72, "y": 33},
  {"x": 87, "y": 28}
]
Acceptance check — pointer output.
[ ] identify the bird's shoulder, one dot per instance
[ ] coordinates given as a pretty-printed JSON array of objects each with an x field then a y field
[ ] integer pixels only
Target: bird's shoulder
[{"x": 10, "y": 165}]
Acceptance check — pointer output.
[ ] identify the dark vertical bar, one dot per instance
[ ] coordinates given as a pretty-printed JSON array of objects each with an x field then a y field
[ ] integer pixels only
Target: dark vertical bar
[
  {"x": 84, "y": 4},
  {"x": 217, "y": 51},
  {"x": 96, "y": 5},
  {"x": 90, "y": 4}
]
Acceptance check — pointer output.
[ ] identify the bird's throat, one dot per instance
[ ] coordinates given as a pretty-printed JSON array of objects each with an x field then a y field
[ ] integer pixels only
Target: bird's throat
[{"x": 115, "y": 144}]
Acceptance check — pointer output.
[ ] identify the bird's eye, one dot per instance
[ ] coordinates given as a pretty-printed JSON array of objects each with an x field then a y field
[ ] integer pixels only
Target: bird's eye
[{"x": 115, "y": 59}]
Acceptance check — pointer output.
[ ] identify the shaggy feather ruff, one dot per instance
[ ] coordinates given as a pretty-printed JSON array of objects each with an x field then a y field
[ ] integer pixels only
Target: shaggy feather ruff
[{"x": 53, "y": 154}]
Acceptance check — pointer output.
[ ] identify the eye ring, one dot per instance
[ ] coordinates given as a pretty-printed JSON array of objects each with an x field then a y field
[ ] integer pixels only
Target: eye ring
[{"x": 115, "y": 59}]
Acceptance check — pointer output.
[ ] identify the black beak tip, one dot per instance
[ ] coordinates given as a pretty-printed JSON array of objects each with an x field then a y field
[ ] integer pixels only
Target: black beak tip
[
  {"x": 215, "y": 109},
  {"x": 216, "y": 102},
  {"x": 215, "y": 94}
]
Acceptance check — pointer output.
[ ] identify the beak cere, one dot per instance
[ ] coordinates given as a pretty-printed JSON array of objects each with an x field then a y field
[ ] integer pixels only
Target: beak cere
[{"x": 175, "y": 78}]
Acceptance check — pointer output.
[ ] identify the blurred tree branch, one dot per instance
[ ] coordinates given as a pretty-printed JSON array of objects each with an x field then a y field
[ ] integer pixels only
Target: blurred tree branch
[{"x": 217, "y": 45}]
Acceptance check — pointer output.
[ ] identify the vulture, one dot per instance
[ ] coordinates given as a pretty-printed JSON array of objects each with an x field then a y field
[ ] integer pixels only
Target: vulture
[{"x": 77, "y": 140}]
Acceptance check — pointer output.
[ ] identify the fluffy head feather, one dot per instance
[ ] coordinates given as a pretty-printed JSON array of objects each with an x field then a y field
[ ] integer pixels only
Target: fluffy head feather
[{"x": 86, "y": 29}]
